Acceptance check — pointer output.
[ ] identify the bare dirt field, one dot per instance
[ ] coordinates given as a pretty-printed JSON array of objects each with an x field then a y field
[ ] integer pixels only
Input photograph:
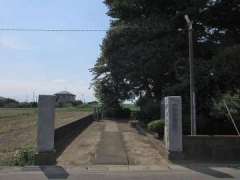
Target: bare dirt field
[{"x": 18, "y": 127}]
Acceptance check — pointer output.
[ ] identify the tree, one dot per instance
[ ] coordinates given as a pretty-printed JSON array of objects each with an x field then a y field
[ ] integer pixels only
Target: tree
[
  {"x": 222, "y": 19},
  {"x": 226, "y": 69},
  {"x": 146, "y": 50},
  {"x": 143, "y": 49}
]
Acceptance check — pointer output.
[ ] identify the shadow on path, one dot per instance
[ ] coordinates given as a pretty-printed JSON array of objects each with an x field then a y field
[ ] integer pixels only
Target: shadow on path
[
  {"x": 66, "y": 134},
  {"x": 208, "y": 169},
  {"x": 54, "y": 172}
]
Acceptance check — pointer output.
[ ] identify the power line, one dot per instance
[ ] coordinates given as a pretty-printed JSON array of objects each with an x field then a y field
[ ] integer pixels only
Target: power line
[
  {"x": 76, "y": 29},
  {"x": 52, "y": 30}
]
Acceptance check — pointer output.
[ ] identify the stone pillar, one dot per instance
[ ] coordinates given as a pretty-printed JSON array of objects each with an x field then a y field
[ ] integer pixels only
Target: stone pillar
[
  {"x": 173, "y": 127},
  {"x": 45, "y": 130}
]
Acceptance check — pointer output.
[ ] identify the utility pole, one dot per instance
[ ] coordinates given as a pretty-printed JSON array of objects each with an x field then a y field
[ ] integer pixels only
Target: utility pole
[
  {"x": 192, "y": 83},
  {"x": 33, "y": 97}
]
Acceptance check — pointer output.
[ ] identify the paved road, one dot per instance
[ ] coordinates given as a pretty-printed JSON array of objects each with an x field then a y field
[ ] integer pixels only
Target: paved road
[{"x": 174, "y": 172}]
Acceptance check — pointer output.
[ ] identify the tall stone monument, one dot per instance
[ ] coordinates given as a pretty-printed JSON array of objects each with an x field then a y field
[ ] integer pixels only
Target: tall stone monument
[
  {"x": 45, "y": 130},
  {"x": 173, "y": 127}
]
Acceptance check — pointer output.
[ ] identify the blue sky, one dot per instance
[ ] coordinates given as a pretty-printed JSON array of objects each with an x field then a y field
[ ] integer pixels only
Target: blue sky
[{"x": 48, "y": 62}]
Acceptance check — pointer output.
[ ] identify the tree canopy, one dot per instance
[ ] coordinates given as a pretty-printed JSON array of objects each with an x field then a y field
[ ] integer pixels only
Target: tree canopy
[{"x": 146, "y": 50}]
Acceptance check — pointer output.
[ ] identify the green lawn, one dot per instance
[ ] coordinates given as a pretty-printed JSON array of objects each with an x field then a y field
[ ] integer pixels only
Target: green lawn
[{"x": 18, "y": 127}]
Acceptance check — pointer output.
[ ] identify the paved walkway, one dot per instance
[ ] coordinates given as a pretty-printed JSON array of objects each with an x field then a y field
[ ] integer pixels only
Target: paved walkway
[
  {"x": 111, "y": 142},
  {"x": 111, "y": 148},
  {"x": 82, "y": 150}
]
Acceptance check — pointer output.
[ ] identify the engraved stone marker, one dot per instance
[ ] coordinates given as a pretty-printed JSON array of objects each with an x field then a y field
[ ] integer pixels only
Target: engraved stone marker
[
  {"x": 45, "y": 130},
  {"x": 173, "y": 124}
]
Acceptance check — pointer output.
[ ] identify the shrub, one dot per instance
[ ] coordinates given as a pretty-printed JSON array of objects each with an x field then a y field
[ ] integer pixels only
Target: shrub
[
  {"x": 149, "y": 110},
  {"x": 124, "y": 113},
  {"x": 117, "y": 112},
  {"x": 157, "y": 126},
  {"x": 77, "y": 103},
  {"x": 24, "y": 156},
  {"x": 64, "y": 105}
]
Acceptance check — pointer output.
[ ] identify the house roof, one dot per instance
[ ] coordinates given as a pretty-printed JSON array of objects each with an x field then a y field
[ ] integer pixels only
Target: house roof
[
  {"x": 2, "y": 98},
  {"x": 64, "y": 93}
]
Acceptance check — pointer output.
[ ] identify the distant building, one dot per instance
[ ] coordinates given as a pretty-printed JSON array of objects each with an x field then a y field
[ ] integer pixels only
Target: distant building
[
  {"x": 65, "y": 97},
  {"x": 7, "y": 102},
  {"x": 3, "y": 98}
]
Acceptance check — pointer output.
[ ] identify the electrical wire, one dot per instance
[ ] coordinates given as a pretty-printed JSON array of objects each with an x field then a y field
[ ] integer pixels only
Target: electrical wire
[
  {"x": 74, "y": 29},
  {"x": 52, "y": 30}
]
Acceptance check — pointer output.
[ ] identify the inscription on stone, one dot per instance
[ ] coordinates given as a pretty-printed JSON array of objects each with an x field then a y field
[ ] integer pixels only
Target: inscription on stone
[{"x": 173, "y": 123}]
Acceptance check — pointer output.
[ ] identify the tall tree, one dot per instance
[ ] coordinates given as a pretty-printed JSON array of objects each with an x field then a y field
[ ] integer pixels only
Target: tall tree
[{"x": 146, "y": 47}]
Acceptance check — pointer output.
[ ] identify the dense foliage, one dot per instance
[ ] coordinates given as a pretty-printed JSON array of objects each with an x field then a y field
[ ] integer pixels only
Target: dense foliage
[
  {"x": 145, "y": 52},
  {"x": 157, "y": 126},
  {"x": 24, "y": 157}
]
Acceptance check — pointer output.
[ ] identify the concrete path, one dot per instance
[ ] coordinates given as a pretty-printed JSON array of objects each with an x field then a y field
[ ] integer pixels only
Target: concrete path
[
  {"x": 82, "y": 150},
  {"x": 122, "y": 144},
  {"x": 111, "y": 149},
  {"x": 110, "y": 142}
]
